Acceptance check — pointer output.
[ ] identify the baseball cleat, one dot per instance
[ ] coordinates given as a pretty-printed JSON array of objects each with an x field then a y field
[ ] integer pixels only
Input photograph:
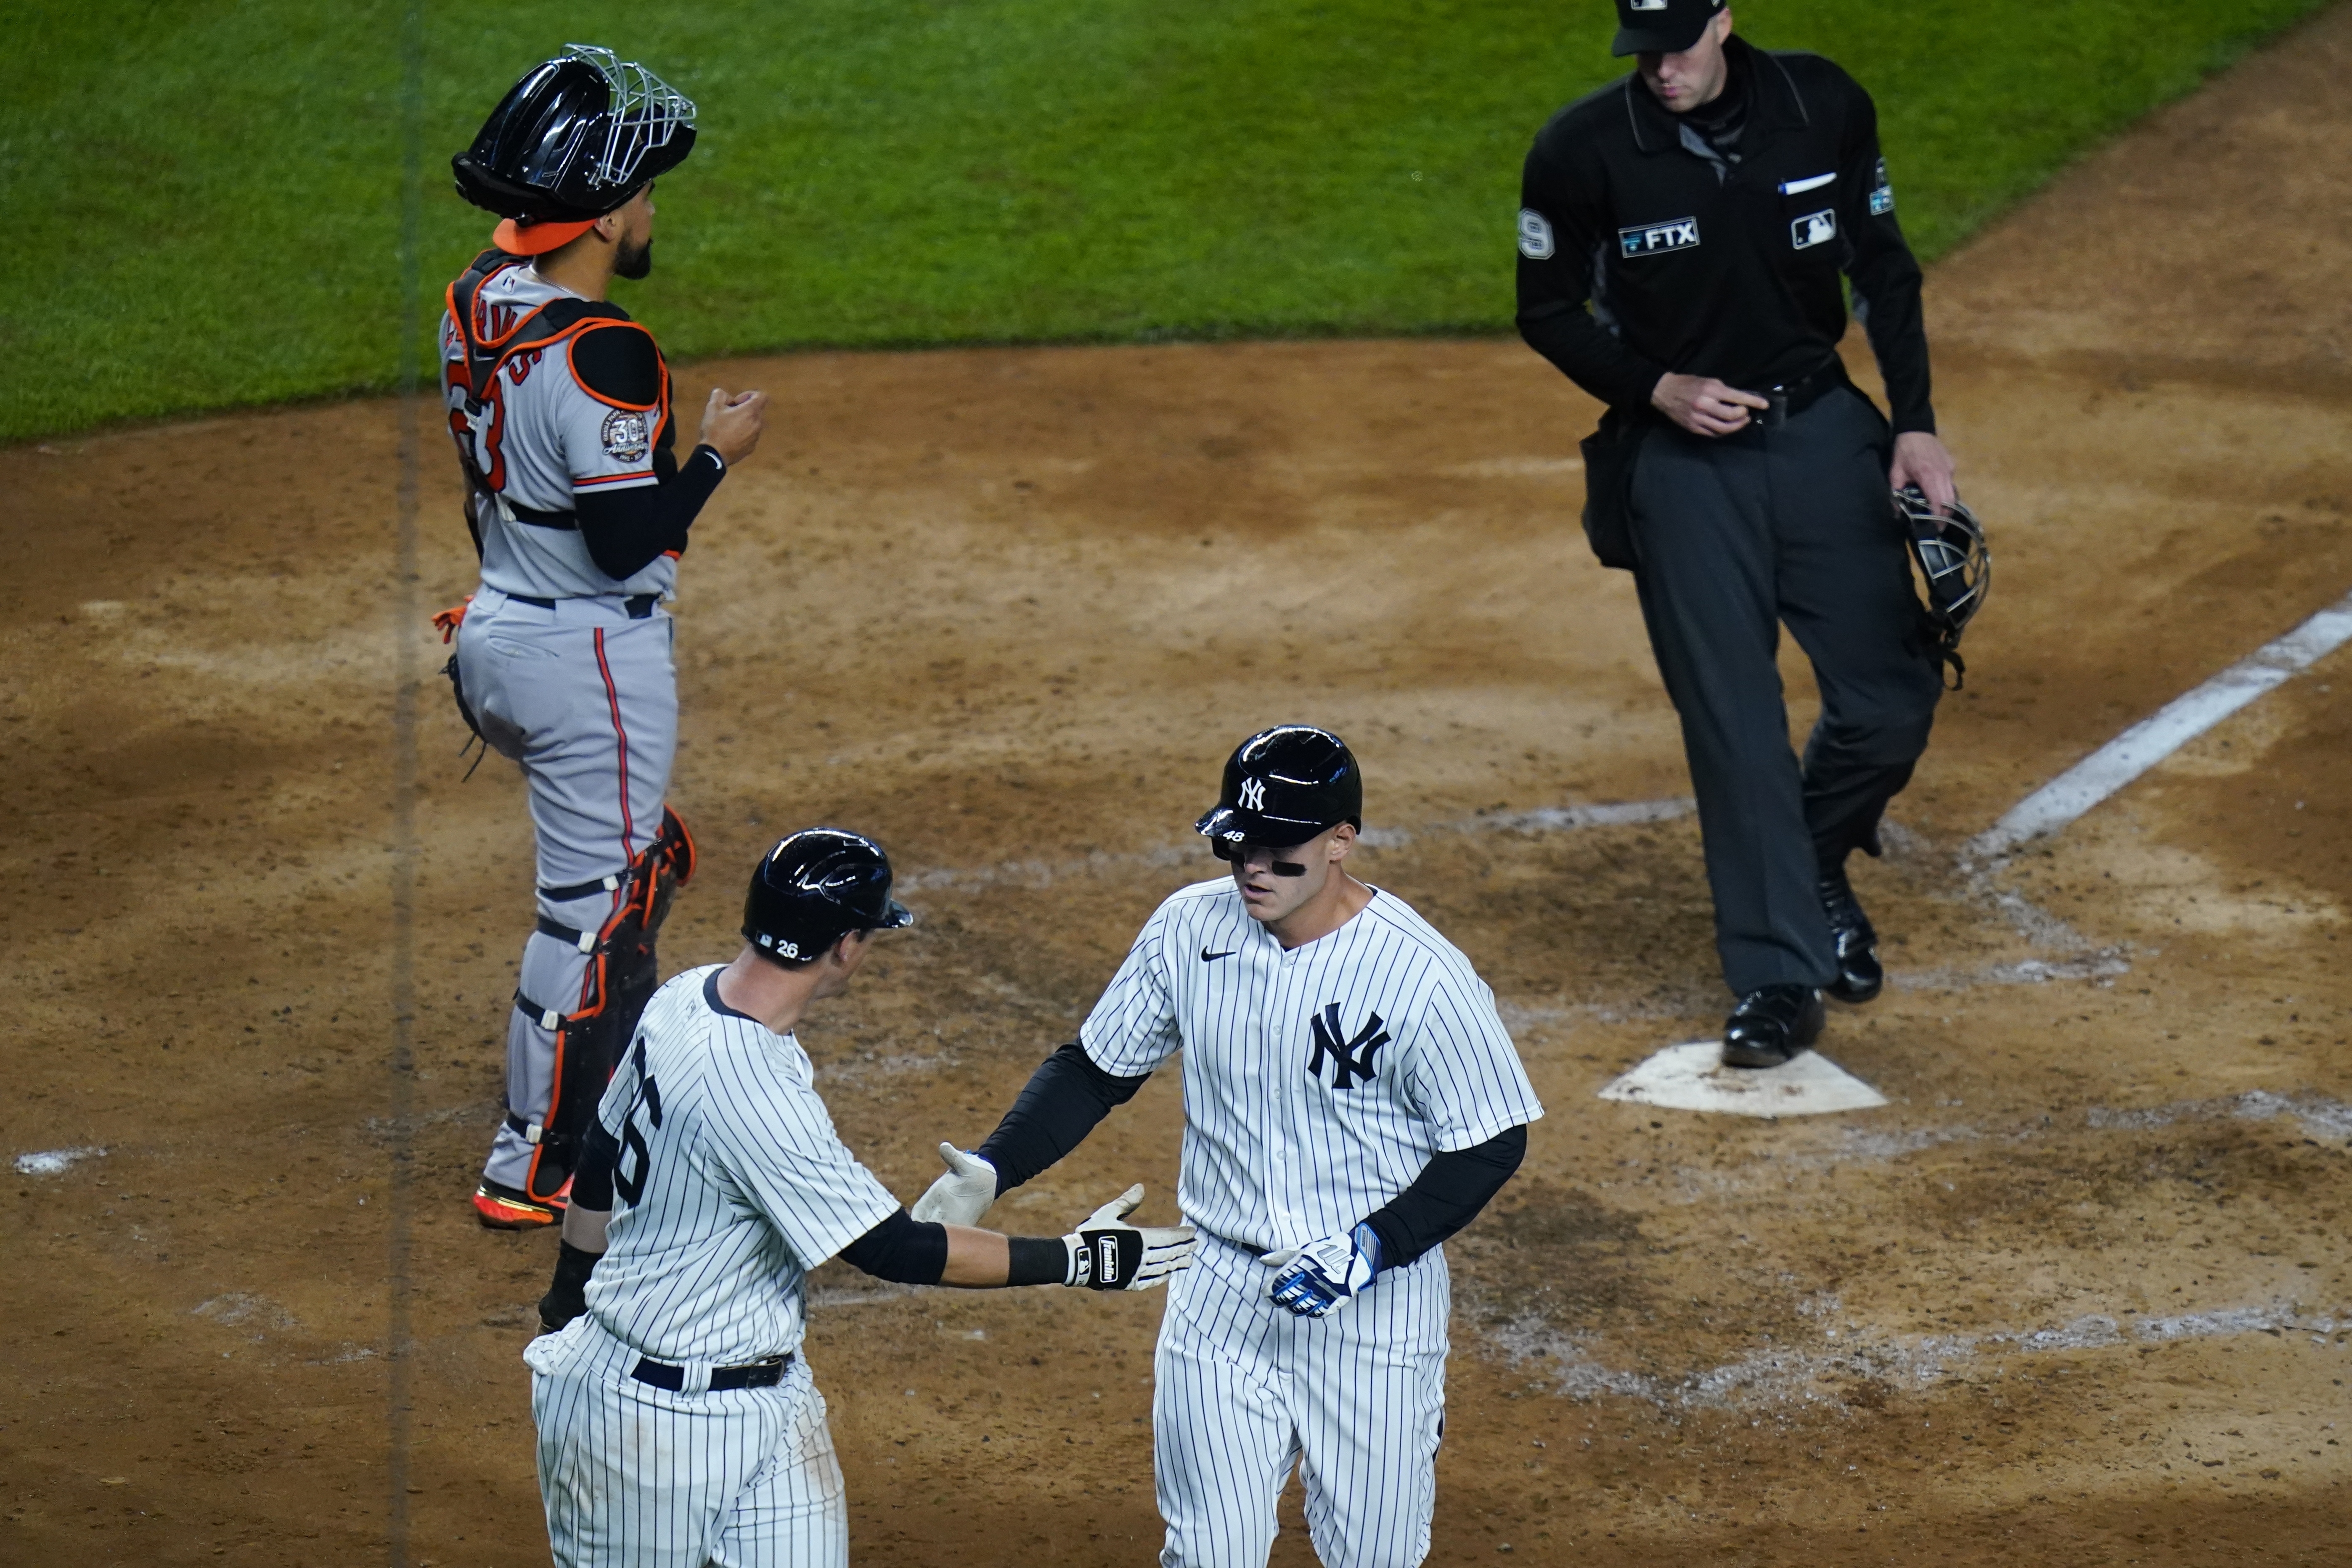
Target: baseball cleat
[
  {"x": 1860, "y": 975},
  {"x": 1772, "y": 1024},
  {"x": 502, "y": 1207}
]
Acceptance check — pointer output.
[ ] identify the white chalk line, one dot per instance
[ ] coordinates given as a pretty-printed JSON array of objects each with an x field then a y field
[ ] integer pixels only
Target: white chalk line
[
  {"x": 2156, "y": 737},
  {"x": 1039, "y": 874},
  {"x": 1807, "y": 1376}
]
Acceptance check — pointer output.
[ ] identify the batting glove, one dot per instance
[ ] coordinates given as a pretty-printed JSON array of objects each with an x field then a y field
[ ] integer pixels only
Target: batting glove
[
  {"x": 1319, "y": 1279},
  {"x": 961, "y": 1197},
  {"x": 1109, "y": 1254}
]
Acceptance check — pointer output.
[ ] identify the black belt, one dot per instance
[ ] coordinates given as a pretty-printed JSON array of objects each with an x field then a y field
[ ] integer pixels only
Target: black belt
[
  {"x": 567, "y": 521},
  {"x": 1791, "y": 398},
  {"x": 638, "y": 605},
  {"x": 758, "y": 1375}
]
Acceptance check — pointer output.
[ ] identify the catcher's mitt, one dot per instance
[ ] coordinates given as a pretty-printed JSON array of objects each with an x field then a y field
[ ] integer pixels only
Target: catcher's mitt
[{"x": 1952, "y": 557}]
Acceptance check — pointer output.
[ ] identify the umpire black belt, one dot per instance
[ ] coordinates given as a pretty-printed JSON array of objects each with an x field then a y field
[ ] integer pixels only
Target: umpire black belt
[
  {"x": 638, "y": 605},
  {"x": 1791, "y": 398},
  {"x": 758, "y": 1375}
]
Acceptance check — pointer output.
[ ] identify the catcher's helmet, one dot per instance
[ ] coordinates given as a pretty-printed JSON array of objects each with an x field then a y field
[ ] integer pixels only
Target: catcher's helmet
[
  {"x": 1952, "y": 557},
  {"x": 574, "y": 139},
  {"x": 814, "y": 888},
  {"x": 1285, "y": 785}
]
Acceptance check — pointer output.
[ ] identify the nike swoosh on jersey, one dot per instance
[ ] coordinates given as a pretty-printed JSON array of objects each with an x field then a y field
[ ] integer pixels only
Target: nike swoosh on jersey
[{"x": 1209, "y": 957}]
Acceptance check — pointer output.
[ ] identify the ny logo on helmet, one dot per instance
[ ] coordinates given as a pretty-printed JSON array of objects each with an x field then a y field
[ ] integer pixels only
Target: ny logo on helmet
[
  {"x": 1350, "y": 1063},
  {"x": 1253, "y": 795}
]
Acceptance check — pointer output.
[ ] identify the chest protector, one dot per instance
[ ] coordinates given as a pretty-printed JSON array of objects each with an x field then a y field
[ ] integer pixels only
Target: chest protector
[{"x": 491, "y": 335}]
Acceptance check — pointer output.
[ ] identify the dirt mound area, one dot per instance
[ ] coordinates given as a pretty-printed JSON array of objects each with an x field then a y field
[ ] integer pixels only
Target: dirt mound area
[{"x": 2080, "y": 1294}]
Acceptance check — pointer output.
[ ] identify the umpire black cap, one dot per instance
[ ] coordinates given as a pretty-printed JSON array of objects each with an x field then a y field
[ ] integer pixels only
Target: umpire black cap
[
  {"x": 1283, "y": 786},
  {"x": 814, "y": 888},
  {"x": 1661, "y": 26}
]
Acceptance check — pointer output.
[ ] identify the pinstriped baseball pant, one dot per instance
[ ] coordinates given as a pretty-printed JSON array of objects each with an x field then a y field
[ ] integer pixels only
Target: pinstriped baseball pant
[
  {"x": 585, "y": 699},
  {"x": 1244, "y": 1390},
  {"x": 637, "y": 1477}
]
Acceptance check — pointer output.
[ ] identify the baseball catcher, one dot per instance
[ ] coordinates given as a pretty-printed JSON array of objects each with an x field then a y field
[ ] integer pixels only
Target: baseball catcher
[{"x": 559, "y": 406}]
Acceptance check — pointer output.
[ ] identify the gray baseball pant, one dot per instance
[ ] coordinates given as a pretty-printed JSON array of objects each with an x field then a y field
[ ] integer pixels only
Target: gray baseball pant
[{"x": 585, "y": 699}]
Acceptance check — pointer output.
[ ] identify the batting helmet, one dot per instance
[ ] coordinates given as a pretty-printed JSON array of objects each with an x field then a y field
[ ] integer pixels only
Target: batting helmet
[
  {"x": 574, "y": 139},
  {"x": 814, "y": 888},
  {"x": 1283, "y": 786}
]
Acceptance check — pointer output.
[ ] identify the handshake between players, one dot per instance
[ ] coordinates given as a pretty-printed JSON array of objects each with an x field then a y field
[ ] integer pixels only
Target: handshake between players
[{"x": 677, "y": 1421}]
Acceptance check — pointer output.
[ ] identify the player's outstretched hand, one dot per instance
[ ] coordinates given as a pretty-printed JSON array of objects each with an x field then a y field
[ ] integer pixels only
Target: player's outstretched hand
[
  {"x": 961, "y": 1197},
  {"x": 1319, "y": 1279},
  {"x": 731, "y": 423},
  {"x": 1109, "y": 1254}
]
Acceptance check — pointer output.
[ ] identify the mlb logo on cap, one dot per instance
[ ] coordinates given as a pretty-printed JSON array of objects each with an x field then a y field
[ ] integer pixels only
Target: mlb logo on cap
[{"x": 1661, "y": 26}]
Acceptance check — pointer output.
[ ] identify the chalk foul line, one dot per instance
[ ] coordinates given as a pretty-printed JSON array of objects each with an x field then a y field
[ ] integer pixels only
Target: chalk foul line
[{"x": 2158, "y": 737}]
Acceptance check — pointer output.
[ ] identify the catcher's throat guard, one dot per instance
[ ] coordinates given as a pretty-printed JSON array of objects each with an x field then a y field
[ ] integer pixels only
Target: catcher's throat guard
[
  {"x": 1957, "y": 566},
  {"x": 623, "y": 974}
]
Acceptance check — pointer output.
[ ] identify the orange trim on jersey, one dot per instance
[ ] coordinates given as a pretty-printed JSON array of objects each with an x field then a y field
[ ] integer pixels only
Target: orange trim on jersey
[{"x": 596, "y": 479}]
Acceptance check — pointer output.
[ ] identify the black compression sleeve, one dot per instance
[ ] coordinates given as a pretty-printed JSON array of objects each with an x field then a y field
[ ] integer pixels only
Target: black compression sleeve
[
  {"x": 1036, "y": 1260},
  {"x": 1057, "y": 1108},
  {"x": 626, "y": 529},
  {"x": 1446, "y": 1195},
  {"x": 901, "y": 1250},
  {"x": 592, "y": 1183}
]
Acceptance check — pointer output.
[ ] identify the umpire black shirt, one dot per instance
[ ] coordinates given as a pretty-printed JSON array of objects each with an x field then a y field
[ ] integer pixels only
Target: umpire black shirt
[{"x": 1712, "y": 261}]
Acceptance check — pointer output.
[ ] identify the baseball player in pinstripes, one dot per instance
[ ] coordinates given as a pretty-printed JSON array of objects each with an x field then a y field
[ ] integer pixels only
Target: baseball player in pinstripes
[
  {"x": 1351, "y": 1101},
  {"x": 678, "y": 1424}
]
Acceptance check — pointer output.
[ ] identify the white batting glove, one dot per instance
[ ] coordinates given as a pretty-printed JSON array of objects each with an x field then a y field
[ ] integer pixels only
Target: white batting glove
[
  {"x": 1109, "y": 1254},
  {"x": 1319, "y": 1279},
  {"x": 961, "y": 1197}
]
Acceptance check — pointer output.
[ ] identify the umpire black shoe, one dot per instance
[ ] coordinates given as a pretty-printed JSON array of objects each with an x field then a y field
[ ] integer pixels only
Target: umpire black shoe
[
  {"x": 1772, "y": 1024},
  {"x": 1860, "y": 976}
]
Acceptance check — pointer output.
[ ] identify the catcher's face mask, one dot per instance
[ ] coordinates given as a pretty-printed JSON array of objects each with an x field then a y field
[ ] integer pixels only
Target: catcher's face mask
[{"x": 1957, "y": 566}]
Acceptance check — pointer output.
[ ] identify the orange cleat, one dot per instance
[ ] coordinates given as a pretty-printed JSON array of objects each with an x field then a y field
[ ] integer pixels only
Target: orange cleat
[{"x": 503, "y": 1207}]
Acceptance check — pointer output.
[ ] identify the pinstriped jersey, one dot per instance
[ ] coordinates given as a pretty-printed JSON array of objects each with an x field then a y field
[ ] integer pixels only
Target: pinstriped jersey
[
  {"x": 1317, "y": 1080},
  {"x": 541, "y": 438},
  {"x": 731, "y": 1184}
]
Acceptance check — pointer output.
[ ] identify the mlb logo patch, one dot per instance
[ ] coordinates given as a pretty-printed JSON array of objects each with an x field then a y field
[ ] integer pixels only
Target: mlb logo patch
[
  {"x": 1655, "y": 239},
  {"x": 1813, "y": 228}
]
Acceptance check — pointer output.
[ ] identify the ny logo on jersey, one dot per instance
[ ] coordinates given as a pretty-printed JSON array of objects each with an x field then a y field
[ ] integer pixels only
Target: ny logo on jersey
[
  {"x": 1253, "y": 795},
  {"x": 1350, "y": 1063}
]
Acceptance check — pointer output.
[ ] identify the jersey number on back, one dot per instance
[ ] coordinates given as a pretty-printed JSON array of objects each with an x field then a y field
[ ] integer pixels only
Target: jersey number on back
[{"x": 631, "y": 1184}]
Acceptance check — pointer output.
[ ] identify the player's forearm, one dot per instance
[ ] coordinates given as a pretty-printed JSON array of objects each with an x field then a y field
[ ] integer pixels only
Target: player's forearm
[
  {"x": 910, "y": 1251},
  {"x": 1450, "y": 1192},
  {"x": 624, "y": 531},
  {"x": 1056, "y": 1110}
]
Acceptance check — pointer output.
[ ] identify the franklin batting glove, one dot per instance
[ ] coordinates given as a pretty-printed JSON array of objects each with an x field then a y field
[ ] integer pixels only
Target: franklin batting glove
[
  {"x": 1319, "y": 1279},
  {"x": 1109, "y": 1254},
  {"x": 961, "y": 1197}
]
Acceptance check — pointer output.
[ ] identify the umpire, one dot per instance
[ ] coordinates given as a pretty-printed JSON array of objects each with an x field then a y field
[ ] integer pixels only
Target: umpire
[{"x": 1681, "y": 235}]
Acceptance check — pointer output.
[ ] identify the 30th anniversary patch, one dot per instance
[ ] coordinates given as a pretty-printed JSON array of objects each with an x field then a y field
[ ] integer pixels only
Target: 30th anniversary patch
[{"x": 625, "y": 435}]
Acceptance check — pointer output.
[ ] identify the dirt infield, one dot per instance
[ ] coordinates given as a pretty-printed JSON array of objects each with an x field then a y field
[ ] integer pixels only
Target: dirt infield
[{"x": 2080, "y": 1294}]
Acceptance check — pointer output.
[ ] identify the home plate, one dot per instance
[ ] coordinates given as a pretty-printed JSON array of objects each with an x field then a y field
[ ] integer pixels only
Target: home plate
[{"x": 1693, "y": 1078}]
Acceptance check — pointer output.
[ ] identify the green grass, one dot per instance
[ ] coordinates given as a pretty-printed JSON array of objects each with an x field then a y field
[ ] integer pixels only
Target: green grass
[{"x": 204, "y": 197}]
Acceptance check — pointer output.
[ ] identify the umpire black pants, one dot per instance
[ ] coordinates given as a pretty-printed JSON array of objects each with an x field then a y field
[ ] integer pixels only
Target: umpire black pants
[{"x": 1735, "y": 535}]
